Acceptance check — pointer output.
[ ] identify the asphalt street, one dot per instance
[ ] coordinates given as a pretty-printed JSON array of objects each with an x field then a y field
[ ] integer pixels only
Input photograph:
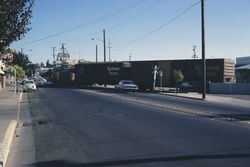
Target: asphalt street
[{"x": 74, "y": 127}]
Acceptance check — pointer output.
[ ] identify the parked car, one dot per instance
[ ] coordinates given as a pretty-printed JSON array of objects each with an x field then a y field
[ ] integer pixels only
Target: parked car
[
  {"x": 39, "y": 81},
  {"x": 29, "y": 85},
  {"x": 185, "y": 87},
  {"x": 23, "y": 81},
  {"x": 126, "y": 85}
]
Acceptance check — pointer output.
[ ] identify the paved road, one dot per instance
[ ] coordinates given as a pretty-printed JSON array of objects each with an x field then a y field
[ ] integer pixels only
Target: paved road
[{"x": 98, "y": 128}]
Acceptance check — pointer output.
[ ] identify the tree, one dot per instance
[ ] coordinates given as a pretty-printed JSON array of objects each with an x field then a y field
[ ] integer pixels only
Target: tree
[
  {"x": 20, "y": 73},
  {"x": 42, "y": 65},
  {"x": 32, "y": 69},
  {"x": 48, "y": 64},
  {"x": 15, "y": 21},
  {"x": 21, "y": 60},
  {"x": 178, "y": 77}
]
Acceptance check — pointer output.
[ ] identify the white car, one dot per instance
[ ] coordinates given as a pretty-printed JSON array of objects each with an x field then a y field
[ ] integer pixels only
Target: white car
[
  {"x": 39, "y": 81},
  {"x": 29, "y": 85},
  {"x": 127, "y": 85}
]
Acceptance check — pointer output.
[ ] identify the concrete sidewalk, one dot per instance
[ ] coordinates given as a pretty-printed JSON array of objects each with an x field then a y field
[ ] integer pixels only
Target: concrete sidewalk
[
  {"x": 8, "y": 122},
  {"x": 236, "y": 100}
]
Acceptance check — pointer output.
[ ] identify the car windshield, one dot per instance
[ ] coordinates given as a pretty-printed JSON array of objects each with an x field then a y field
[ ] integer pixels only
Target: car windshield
[
  {"x": 128, "y": 82},
  {"x": 29, "y": 82}
]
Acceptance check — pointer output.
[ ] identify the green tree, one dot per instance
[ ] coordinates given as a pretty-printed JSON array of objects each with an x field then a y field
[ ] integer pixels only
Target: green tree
[
  {"x": 178, "y": 77},
  {"x": 20, "y": 73},
  {"x": 21, "y": 60},
  {"x": 48, "y": 64},
  {"x": 32, "y": 69},
  {"x": 42, "y": 65},
  {"x": 15, "y": 21}
]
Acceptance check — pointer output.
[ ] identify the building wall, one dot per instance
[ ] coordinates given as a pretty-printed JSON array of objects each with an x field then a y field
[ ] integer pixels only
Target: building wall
[
  {"x": 242, "y": 75},
  {"x": 241, "y": 61},
  {"x": 230, "y": 88},
  {"x": 229, "y": 70}
]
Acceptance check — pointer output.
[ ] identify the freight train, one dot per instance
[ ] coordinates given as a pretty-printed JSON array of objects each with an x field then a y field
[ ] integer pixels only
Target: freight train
[{"x": 110, "y": 73}]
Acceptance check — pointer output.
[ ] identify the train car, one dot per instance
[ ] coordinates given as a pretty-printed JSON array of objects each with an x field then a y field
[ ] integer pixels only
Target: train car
[
  {"x": 110, "y": 73},
  {"x": 64, "y": 76},
  {"x": 102, "y": 73}
]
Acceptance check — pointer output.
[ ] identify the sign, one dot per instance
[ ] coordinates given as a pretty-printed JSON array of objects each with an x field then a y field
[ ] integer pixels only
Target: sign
[{"x": 113, "y": 70}]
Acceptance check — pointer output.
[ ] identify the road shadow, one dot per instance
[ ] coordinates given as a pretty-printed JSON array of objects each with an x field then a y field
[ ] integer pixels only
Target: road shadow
[
  {"x": 62, "y": 163},
  {"x": 229, "y": 117},
  {"x": 100, "y": 89}
]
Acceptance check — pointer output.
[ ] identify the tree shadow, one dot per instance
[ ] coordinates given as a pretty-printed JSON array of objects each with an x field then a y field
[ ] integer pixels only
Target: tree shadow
[{"x": 63, "y": 163}]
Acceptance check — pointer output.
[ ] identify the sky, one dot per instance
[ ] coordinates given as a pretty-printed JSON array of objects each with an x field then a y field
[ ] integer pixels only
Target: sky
[{"x": 142, "y": 29}]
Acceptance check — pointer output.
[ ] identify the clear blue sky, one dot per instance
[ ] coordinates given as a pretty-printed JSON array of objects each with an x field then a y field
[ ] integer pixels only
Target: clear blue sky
[{"x": 75, "y": 22}]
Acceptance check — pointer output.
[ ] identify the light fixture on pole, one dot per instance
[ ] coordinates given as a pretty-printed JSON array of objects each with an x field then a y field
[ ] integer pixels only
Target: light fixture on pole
[{"x": 104, "y": 44}]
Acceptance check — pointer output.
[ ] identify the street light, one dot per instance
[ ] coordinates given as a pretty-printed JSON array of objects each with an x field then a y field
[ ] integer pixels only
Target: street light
[
  {"x": 96, "y": 49},
  {"x": 104, "y": 44}
]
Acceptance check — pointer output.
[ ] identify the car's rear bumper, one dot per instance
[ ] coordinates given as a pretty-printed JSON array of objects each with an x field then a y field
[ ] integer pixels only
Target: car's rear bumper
[
  {"x": 29, "y": 89},
  {"x": 130, "y": 89}
]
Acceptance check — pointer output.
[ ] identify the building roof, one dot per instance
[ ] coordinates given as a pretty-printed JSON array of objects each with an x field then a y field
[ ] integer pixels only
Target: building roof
[
  {"x": 240, "y": 61},
  {"x": 245, "y": 67}
]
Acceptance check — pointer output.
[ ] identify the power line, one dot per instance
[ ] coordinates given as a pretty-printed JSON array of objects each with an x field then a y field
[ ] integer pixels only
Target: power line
[
  {"x": 123, "y": 22},
  {"x": 121, "y": 10},
  {"x": 144, "y": 10},
  {"x": 160, "y": 27},
  {"x": 157, "y": 2},
  {"x": 112, "y": 27}
]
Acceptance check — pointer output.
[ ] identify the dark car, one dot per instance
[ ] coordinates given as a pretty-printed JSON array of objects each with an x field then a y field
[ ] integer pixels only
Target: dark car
[{"x": 185, "y": 87}]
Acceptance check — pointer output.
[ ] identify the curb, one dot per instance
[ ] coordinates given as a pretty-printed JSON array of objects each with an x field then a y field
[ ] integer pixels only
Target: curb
[
  {"x": 6, "y": 143},
  {"x": 178, "y": 96},
  {"x": 8, "y": 137}
]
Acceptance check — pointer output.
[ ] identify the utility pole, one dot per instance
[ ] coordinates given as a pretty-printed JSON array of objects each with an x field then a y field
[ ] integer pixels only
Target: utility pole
[
  {"x": 96, "y": 53},
  {"x": 203, "y": 48},
  {"x": 54, "y": 55},
  {"x": 104, "y": 45},
  {"x": 109, "y": 50},
  {"x": 130, "y": 56},
  {"x": 194, "y": 50}
]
